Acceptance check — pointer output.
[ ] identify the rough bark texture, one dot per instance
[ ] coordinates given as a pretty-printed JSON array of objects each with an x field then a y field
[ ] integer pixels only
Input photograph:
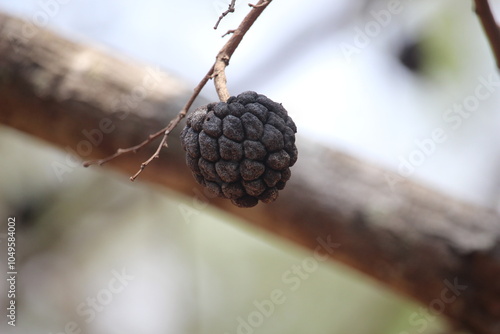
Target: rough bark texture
[{"x": 436, "y": 249}]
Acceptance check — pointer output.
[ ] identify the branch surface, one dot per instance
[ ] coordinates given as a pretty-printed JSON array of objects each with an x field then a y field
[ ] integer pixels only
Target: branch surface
[
  {"x": 491, "y": 28},
  {"x": 438, "y": 250}
]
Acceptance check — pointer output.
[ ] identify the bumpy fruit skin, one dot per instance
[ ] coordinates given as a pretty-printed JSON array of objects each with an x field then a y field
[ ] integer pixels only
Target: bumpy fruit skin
[{"x": 241, "y": 149}]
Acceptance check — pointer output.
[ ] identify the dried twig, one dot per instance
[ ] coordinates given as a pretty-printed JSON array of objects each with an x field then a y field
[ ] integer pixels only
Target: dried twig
[
  {"x": 220, "y": 80},
  {"x": 230, "y": 9},
  {"x": 216, "y": 72},
  {"x": 229, "y": 32},
  {"x": 490, "y": 27},
  {"x": 121, "y": 151},
  {"x": 224, "y": 55},
  {"x": 264, "y": 3}
]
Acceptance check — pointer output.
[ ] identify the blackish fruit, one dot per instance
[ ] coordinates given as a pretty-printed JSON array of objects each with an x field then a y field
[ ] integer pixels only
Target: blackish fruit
[{"x": 241, "y": 149}]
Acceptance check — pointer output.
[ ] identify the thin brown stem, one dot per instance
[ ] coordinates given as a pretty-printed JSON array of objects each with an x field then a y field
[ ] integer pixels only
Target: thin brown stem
[
  {"x": 230, "y": 9},
  {"x": 483, "y": 11},
  {"x": 264, "y": 3},
  {"x": 216, "y": 72},
  {"x": 231, "y": 45},
  {"x": 220, "y": 80},
  {"x": 229, "y": 32},
  {"x": 173, "y": 123},
  {"x": 121, "y": 151},
  {"x": 224, "y": 55}
]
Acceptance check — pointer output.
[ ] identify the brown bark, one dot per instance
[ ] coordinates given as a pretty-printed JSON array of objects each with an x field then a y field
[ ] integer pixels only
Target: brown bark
[{"x": 415, "y": 240}]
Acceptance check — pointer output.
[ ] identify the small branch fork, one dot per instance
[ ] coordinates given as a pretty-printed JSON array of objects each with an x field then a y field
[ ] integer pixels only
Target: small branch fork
[
  {"x": 230, "y": 9},
  {"x": 490, "y": 27},
  {"x": 216, "y": 72}
]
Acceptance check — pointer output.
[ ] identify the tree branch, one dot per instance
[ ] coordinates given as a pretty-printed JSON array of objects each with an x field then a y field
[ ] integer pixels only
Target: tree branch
[
  {"x": 490, "y": 27},
  {"x": 216, "y": 72},
  {"x": 230, "y": 9},
  {"x": 438, "y": 250}
]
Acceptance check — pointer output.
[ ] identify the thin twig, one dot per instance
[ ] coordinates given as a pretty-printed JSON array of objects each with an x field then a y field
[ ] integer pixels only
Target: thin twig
[
  {"x": 121, "y": 151},
  {"x": 490, "y": 27},
  {"x": 229, "y": 32},
  {"x": 230, "y": 9},
  {"x": 264, "y": 3},
  {"x": 224, "y": 55},
  {"x": 220, "y": 80},
  {"x": 216, "y": 72},
  {"x": 173, "y": 123}
]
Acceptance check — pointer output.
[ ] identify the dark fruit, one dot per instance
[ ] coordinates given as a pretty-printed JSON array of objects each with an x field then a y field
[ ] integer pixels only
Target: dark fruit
[{"x": 241, "y": 149}]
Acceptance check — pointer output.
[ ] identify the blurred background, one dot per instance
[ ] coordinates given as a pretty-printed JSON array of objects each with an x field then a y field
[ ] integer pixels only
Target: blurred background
[{"x": 376, "y": 79}]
